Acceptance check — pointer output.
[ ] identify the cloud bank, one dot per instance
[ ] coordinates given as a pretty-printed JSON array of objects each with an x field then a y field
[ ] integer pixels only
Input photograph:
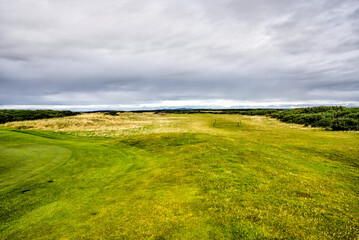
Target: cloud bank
[{"x": 133, "y": 53}]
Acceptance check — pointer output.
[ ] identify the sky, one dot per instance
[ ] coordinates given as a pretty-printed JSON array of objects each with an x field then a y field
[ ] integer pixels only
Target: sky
[{"x": 135, "y": 54}]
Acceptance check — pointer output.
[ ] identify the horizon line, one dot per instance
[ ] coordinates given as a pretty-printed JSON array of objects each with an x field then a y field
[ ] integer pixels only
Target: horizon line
[{"x": 176, "y": 105}]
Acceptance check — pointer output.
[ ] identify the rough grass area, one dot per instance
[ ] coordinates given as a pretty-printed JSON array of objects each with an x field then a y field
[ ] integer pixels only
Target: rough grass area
[{"x": 149, "y": 176}]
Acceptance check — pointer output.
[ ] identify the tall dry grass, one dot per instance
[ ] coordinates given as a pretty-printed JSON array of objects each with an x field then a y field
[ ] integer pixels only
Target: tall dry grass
[{"x": 100, "y": 124}]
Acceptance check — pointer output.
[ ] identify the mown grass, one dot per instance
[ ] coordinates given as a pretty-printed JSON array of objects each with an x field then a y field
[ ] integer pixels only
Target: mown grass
[{"x": 177, "y": 177}]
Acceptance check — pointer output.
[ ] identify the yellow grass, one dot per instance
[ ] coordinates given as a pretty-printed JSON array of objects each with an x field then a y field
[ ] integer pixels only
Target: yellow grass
[
  {"x": 105, "y": 125},
  {"x": 99, "y": 124}
]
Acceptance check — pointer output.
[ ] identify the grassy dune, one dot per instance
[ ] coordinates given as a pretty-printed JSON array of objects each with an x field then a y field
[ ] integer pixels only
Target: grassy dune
[{"x": 140, "y": 176}]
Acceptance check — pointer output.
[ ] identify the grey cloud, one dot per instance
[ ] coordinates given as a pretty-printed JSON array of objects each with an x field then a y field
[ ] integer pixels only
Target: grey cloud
[{"x": 133, "y": 52}]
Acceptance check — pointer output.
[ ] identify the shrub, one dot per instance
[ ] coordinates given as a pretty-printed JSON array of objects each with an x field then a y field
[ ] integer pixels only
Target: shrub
[
  {"x": 111, "y": 113},
  {"x": 21, "y": 115}
]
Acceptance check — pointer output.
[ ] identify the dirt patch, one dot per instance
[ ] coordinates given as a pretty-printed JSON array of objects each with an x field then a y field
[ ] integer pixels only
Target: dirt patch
[
  {"x": 303, "y": 194},
  {"x": 252, "y": 218}
]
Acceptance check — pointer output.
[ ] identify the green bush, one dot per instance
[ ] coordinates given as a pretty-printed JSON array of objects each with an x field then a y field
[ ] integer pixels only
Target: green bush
[
  {"x": 346, "y": 124},
  {"x": 21, "y": 115},
  {"x": 330, "y": 118}
]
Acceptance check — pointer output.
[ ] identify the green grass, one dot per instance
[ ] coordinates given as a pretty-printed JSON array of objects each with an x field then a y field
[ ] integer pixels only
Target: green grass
[{"x": 260, "y": 179}]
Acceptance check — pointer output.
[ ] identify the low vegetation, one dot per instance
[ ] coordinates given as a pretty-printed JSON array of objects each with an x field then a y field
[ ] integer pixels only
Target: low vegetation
[
  {"x": 21, "y": 115},
  {"x": 176, "y": 176},
  {"x": 331, "y": 118}
]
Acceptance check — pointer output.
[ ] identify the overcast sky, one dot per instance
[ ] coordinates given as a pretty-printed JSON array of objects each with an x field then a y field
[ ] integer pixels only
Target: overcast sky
[{"x": 178, "y": 52}]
